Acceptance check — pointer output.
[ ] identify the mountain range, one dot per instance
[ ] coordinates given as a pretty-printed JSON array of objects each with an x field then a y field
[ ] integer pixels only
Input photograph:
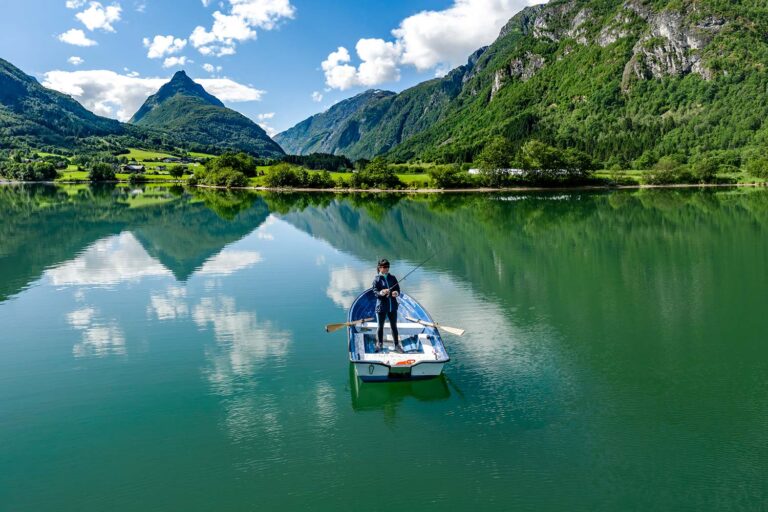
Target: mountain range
[
  {"x": 30, "y": 113},
  {"x": 181, "y": 114},
  {"x": 624, "y": 80}
]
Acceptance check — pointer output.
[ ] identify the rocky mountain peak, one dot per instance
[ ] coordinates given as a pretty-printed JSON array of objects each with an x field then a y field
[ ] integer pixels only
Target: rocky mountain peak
[{"x": 180, "y": 84}]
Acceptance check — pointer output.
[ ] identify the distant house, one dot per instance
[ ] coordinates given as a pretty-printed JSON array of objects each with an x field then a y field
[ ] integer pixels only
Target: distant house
[
  {"x": 133, "y": 168},
  {"x": 171, "y": 160}
]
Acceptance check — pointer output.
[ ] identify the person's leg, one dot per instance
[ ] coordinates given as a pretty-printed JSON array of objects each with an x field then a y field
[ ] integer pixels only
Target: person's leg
[
  {"x": 381, "y": 318},
  {"x": 393, "y": 324}
]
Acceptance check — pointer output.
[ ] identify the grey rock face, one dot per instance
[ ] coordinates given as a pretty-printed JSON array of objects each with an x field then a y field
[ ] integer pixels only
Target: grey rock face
[
  {"x": 471, "y": 68},
  {"x": 671, "y": 48},
  {"x": 521, "y": 69},
  {"x": 618, "y": 28},
  {"x": 551, "y": 22},
  {"x": 522, "y": 21},
  {"x": 578, "y": 27}
]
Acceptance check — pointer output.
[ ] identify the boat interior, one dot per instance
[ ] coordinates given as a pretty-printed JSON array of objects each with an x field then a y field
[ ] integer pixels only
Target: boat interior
[{"x": 419, "y": 344}]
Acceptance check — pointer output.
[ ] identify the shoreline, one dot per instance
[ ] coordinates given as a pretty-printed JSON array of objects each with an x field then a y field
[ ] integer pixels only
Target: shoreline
[{"x": 483, "y": 190}]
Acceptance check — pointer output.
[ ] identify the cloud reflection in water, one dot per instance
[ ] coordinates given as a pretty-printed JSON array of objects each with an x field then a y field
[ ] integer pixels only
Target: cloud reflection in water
[
  {"x": 110, "y": 261},
  {"x": 98, "y": 339}
]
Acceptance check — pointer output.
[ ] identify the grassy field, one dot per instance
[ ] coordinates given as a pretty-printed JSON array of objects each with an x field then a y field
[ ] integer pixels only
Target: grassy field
[
  {"x": 75, "y": 175},
  {"x": 142, "y": 155}
]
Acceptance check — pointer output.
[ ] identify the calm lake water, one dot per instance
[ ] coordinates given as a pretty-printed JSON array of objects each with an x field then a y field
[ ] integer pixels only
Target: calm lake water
[{"x": 165, "y": 350}]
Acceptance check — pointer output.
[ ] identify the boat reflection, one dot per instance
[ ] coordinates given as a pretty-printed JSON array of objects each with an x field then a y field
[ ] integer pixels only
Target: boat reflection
[{"x": 386, "y": 396}]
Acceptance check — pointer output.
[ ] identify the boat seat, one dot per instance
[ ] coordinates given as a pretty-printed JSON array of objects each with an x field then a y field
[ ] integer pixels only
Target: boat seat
[
  {"x": 403, "y": 328},
  {"x": 411, "y": 344}
]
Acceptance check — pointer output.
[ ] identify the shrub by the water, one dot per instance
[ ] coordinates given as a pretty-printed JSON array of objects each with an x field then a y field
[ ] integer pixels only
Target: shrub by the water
[
  {"x": 320, "y": 161},
  {"x": 668, "y": 176},
  {"x": 177, "y": 171},
  {"x": 540, "y": 163},
  {"x": 137, "y": 178},
  {"x": 450, "y": 176},
  {"x": 492, "y": 160},
  {"x": 228, "y": 170},
  {"x": 101, "y": 171},
  {"x": 548, "y": 165},
  {"x": 705, "y": 171},
  {"x": 225, "y": 177},
  {"x": 285, "y": 175},
  {"x": 377, "y": 174},
  {"x": 32, "y": 171},
  {"x": 758, "y": 167},
  {"x": 240, "y": 162},
  {"x": 321, "y": 179}
]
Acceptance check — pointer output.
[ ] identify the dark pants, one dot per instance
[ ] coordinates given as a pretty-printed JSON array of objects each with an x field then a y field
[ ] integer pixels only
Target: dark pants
[{"x": 392, "y": 315}]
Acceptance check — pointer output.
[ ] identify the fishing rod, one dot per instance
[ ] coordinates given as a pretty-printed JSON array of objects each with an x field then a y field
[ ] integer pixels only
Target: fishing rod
[
  {"x": 415, "y": 269},
  {"x": 336, "y": 327}
]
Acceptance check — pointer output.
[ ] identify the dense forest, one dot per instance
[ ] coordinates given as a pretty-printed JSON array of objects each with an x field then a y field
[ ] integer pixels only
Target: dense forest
[{"x": 628, "y": 82}]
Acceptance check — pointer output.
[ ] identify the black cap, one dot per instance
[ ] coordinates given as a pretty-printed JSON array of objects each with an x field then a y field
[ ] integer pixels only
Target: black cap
[{"x": 383, "y": 262}]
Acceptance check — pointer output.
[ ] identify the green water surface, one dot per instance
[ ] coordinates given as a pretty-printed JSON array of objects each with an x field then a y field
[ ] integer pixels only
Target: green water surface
[{"x": 162, "y": 349}]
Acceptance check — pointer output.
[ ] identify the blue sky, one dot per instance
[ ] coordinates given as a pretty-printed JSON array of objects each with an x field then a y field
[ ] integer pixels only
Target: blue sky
[{"x": 276, "y": 61}]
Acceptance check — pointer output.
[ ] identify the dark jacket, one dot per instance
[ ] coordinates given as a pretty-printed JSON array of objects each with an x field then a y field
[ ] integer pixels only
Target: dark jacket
[{"x": 386, "y": 303}]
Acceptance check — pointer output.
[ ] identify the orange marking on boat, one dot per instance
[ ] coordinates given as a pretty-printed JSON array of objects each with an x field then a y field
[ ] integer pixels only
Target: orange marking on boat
[{"x": 406, "y": 362}]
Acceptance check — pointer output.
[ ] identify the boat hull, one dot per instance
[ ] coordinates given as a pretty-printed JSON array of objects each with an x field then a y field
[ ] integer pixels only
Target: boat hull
[{"x": 377, "y": 372}]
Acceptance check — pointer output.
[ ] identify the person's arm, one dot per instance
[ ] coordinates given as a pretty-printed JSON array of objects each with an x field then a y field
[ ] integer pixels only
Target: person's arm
[
  {"x": 377, "y": 287},
  {"x": 395, "y": 288}
]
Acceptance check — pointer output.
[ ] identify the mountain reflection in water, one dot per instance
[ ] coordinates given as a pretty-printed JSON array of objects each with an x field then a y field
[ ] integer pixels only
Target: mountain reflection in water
[{"x": 166, "y": 346}]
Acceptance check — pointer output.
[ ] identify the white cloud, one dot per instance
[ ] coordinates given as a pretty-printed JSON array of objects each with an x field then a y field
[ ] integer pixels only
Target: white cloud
[
  {"x": 239, "y": 24},
  {"x": 96, "y": 16},
  {"x": 210, "y": 68},
  {"x": 379, "y": 64},
  {"x": 75, "y": 60},
  {"x": 430, "y": 38},
  {"x": 111, "y": 94},
  {"x": 261, "y": 120},
  {"x": 379, "y": 61},
  {"x": 76, "y": 37},
  {"x": 161, "y": 46},
  {"x": 338, "y": 73},
  {"x": 438, "y": 40},
  {"x": 230, "y": 91},
  {"x": 271, "y": 130},
  {"x": 75, "y": 4},
  {"x": 174, "y": 61},
  {"x": 317, "y": 96}
]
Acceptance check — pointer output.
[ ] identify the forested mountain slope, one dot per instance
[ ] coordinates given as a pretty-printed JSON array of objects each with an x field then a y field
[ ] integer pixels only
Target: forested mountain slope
[
  {"x": 185, "y": 109},
  {"x": 627, "y": 81}
]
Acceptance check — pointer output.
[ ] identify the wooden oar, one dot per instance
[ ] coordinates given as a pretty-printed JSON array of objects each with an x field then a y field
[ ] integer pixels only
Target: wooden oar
[
  {"x": 452, "y": 330},
  {"x": 336, "y": 327}
]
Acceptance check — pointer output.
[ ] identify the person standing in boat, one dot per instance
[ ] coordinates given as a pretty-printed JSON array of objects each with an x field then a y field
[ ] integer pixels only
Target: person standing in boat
[{"x": 386, "y": 289}]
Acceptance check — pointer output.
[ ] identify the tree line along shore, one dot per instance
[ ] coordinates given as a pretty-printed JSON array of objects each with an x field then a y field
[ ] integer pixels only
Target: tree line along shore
[{"x": 535, "y": 164}]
